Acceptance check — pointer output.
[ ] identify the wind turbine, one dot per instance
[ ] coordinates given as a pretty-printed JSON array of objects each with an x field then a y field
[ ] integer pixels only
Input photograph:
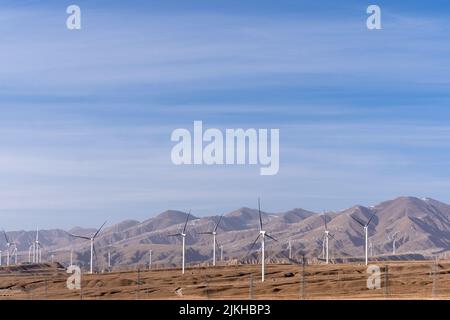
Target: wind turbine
[
  {"x": 8, "y": 245},
  {"x": 30, "y": 249},
  {"x": 36, "y": 249},
  {"x": 183, "y": 237},
  {"x": 14, "y": 253},
  {"x": 290, "y": 249},
  {"x": 366, "y": 233},
  {"x": 393, "y": 238},
  {"x": 214, "y": 233},
  {"x": 326, "y": 238},
  {"x": 262, "y": 234},
  {"x": 149, "y": 259},
  {"x": 108, "y": 257},
  {"x": 91, "y": 239}
]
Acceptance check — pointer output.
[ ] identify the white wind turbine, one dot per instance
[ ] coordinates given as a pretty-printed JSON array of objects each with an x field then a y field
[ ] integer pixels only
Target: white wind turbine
[
  {"x": 366, "y": 234},
  {"x": 91, "y": 239},
  {"x": 290, "y": 249},
  {"x": 214, "y": 233},
  {"x": 14, "y": 253},
  {"x": 36, "y": 249},
  {"x": 149, "y": 259},
  {"x": 30, "y": 249},
  {"x": 8, "y": 245},
  {"x": 183, "y": 237},
  {"x": 393, "y": 238},
  {"x": 109, "y": 259},
  {"x": 326, "y": 238},
  {"x": 263, "y": 234}
]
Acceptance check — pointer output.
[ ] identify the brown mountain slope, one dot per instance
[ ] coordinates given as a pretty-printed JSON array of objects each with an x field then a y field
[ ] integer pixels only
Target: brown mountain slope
[{"x": 422, "y": 227}]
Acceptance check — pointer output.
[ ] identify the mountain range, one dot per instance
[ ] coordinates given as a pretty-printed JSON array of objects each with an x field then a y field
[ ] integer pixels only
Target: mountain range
[{"x": 422, "y": 227}]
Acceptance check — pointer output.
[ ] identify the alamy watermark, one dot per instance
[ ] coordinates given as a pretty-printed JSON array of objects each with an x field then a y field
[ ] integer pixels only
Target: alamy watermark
[
  {"x": 236, "y": 146},
  {"x": 74, "y": 280},
  {"x": 374, "y": 279}
]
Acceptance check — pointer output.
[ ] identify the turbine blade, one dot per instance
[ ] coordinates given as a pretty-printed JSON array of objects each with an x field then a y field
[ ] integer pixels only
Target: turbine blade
[
  {"x": 174, "y": 235},
  {"x": 6, "y": 237},
  {"x": 259, "y": 235},
  {"x": 325, "y": 221},
  {"x": 269, "y": 236},
  {"x": 368, "y": 222},
  {"x": 362, "y": 224},
  {"x": 210, "y": 232},
  {"x": 259, "y": 210},
  {"x": 99, "y": 229},
  {"x": 187, "y": 219},
  {"x": 287, "y": 257},
  {"x": 95, "y": 252},
  {"x": 217, "y": 244},
  {"x": 81, "y": 237},
  {"x": 217, "y": 225}
]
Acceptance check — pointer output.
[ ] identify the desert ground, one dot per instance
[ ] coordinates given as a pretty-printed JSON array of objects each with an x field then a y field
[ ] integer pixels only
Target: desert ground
[{"x": 405, "y": 280}]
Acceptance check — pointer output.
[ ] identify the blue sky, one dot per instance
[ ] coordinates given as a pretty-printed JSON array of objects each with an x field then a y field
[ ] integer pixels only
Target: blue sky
[{"x": 86, "y": 116}]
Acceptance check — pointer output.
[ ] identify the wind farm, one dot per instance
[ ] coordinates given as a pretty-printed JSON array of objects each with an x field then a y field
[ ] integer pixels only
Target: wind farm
[{"x": 173, "y": 255}]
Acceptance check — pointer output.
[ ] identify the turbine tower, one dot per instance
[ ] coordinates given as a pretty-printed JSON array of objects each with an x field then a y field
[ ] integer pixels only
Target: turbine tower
[
  {"x": 14, "y": 253},
  {"x": 290, "y": 249},
  {"x": 262, "y": 234},
  {"x": 183, "y": 237},
  {"x": 30, "y": 249},
  {"x": 36, "y": 249},
  {"x": 214, "y": 233},
  {"x": 393, "y": 238},
  {"x": 8, "y": 245},
  {"x": 149, "y": 259},
  {"x": 91, "y": 239},
  {"x": 326, "y": 238},
  {"x": 366, "y": 234}
]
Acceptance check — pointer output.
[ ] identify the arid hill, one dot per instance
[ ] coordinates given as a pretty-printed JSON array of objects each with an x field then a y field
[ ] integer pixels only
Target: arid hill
[{"x": 422, "y": 227}]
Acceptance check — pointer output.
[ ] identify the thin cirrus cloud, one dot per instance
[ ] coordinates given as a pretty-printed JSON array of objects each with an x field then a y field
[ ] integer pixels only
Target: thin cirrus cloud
[{"x": 87, "y": 116}]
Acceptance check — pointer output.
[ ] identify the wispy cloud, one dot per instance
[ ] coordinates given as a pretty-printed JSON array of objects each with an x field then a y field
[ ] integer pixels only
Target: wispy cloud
[{"x": 86, "y": 116}]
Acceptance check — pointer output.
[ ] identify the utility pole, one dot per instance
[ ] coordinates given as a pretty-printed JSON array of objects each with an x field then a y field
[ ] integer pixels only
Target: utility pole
[
  {"x": 250, "y": 287},
  {"x": 302, "y": 280},
  {"x": 138, "y": 283}
]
